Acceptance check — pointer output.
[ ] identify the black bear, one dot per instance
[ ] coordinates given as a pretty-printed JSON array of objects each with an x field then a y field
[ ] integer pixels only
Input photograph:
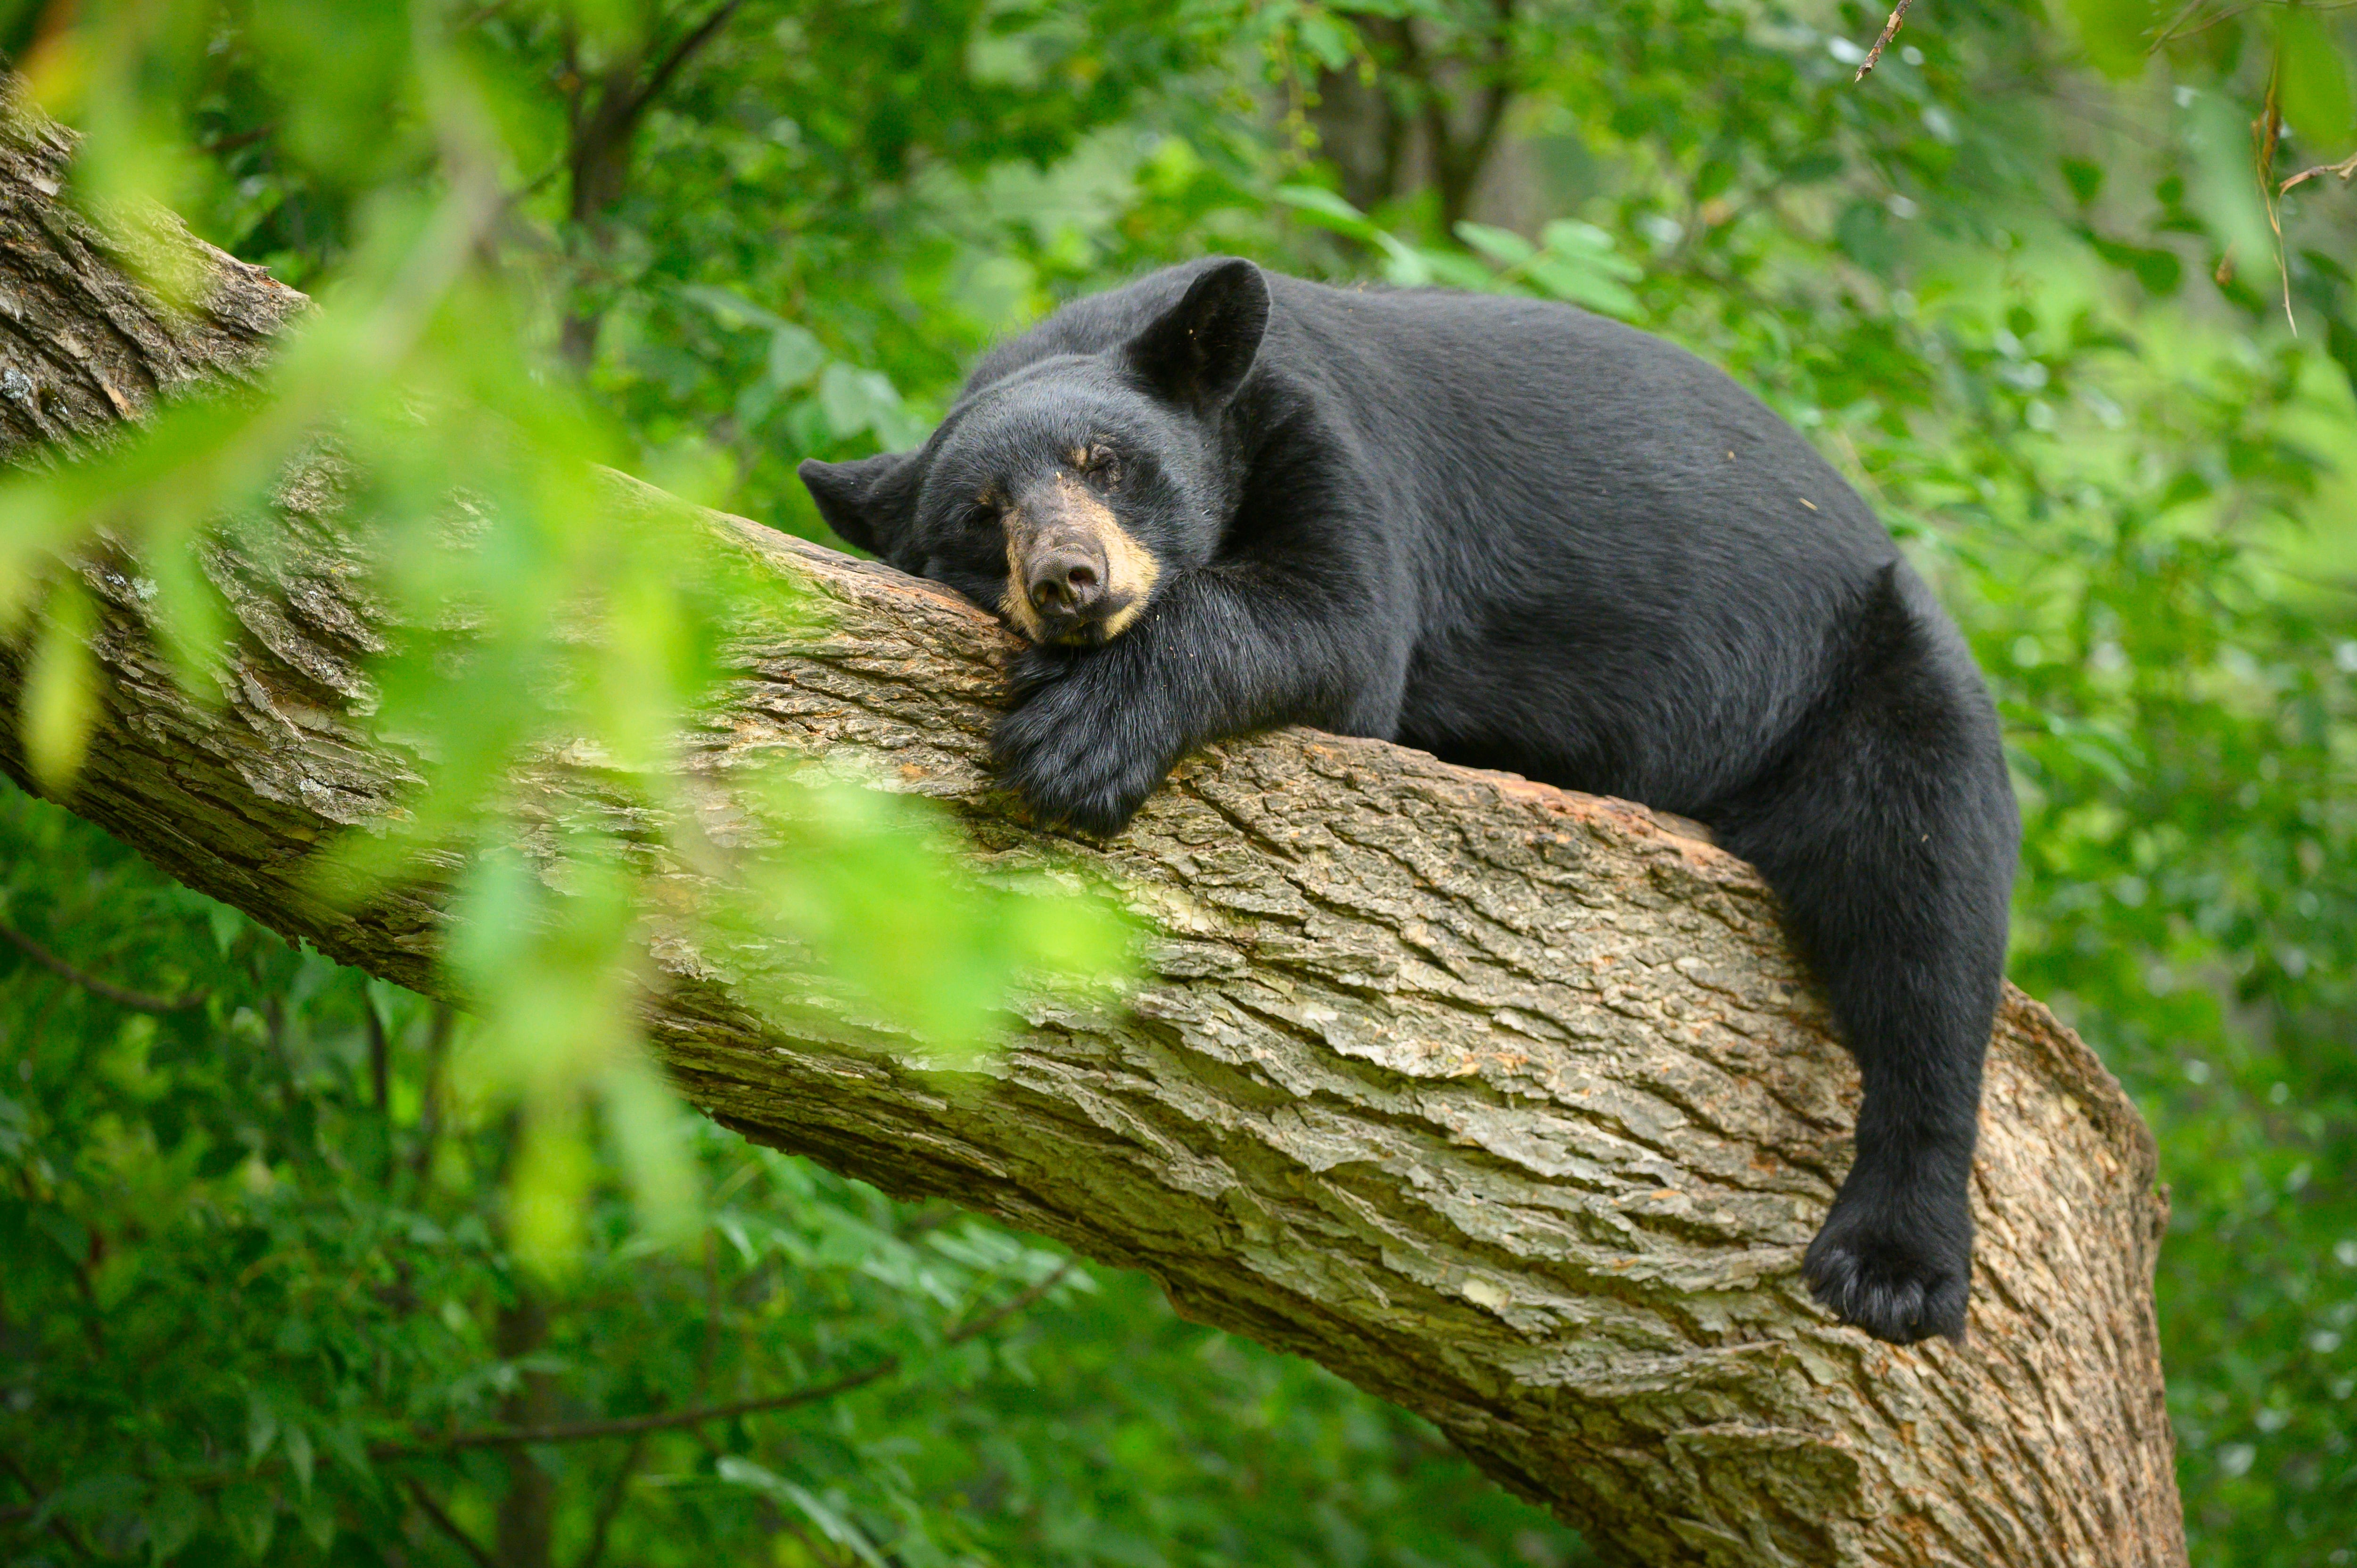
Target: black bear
[{"x": 1521, "y": 537}]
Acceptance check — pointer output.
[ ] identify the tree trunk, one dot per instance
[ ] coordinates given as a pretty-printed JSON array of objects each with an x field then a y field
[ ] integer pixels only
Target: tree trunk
[{"x": 1508, "y": 1104}]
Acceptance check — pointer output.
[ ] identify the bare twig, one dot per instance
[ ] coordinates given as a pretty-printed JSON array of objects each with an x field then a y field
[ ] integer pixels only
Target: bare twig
[
  {"x": 2176, "y": 22},
  {"x": 137, "y": 1000},
  {"x": 1890, "y": 31},
  {"x": 2268, "y": 132},
  {"x": 2345, "y": 168}
]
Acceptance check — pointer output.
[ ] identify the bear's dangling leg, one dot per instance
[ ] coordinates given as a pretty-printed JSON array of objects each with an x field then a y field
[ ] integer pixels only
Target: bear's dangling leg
[{"x": 1887, "y": 828}]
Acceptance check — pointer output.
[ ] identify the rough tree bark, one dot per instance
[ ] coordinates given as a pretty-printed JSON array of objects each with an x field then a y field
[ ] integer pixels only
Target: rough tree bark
[{"x": 1508, "y": 1104}]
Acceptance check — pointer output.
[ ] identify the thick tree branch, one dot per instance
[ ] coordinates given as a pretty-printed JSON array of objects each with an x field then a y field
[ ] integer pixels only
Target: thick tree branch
[{"x": 1508, "y": 1104}]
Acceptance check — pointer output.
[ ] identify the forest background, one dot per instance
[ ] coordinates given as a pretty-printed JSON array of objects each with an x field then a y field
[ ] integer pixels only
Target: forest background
[{"x": 279, "y": 1239}]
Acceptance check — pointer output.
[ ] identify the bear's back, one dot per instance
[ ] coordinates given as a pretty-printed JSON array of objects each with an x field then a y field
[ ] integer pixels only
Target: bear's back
[{"x": 1492, "y": 411}]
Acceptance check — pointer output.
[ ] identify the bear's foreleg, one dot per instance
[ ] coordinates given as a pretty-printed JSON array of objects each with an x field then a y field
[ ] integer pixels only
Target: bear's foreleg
[{"x": 1220, "y": 651}]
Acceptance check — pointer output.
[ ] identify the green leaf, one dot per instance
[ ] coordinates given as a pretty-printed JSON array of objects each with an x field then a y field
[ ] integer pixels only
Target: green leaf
[
  {"x": 250, "y": 1513},
  {"x": 2224, "y": 188},
  {"x": 318, "y": 1513},
  {"x": 1327, "y": 210},
  {"x": 60, "y": 693},
  {"x": 2085, "y": 179},
  {"x": 2113, "y": 33},
  {"x": 856, "y": 401},
  {"x": 795, "y": 356},
  {"x": 261, "y": 1427},
  {"x": 830, "y": 1521},
  {"x": 1328, "y": 38},
  {"x": 2314, "y": 82},
  {"x": 1502, "y": 246},
  {"x": 733, "y": 309},
  {"x": 297, "y": 1444},
  {"x": 172, "y": 1517}
]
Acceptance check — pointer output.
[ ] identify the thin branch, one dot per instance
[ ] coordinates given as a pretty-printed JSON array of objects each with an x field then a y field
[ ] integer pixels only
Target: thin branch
[
  {"x": 1890, "y": 31},
  {"x": 232, "y": 142},
  {"x": 2175, "y": 22},
  {"x": 2169, "y": 34},
  {"x": 668, "y": 67},
  {"x": 2345, "y": 168},
  {"x": 1020, "y": 1302},
  {"x": 448, "y": 1526},
  {"x": 429, "y": 1111},
  {"x": 138, "y": 1001},
  {"x": 1473, "y": 155},
  {"x": 662, "y": 1421},
  {"x": 2268, "y": 134},
  {"x": 56, "y": 1524},
  {"x": 589, "y": 1430},
  {"x": 480, "y": 14},
  {"x": 616, "y": 1492},
  {"x": 380, "y": 1058}
]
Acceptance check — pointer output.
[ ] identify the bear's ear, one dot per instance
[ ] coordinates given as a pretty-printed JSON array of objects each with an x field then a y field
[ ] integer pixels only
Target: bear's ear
[
  {"x": 868, "y": 502},
  {"x": 1199, "y": 351}
]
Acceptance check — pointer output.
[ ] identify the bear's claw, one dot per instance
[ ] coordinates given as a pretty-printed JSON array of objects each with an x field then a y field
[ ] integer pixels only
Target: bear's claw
[
  {"x": 1078, "y": 757},
  {"x": 1885, "y": 1279}
]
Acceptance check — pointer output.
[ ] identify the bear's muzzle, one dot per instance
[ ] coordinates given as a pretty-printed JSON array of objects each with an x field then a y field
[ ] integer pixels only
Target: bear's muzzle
[{"x": 1074, "y": 575}]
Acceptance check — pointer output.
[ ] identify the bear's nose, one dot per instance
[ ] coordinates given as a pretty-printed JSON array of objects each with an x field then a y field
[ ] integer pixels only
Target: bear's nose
[{"x": 1065, "y": 582}]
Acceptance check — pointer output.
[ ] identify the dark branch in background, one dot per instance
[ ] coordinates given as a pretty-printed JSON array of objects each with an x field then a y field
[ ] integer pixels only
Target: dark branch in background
[
  {"x": 1458, "y": 161},
  {"x": 616, "y": 1492},
  {"x": 380, "y": 1059},
  {"x": 448, "y": 1526},
  {"x": 1890, "y": 31},
  {"x": 57, "y": 1526},
  {"x": 626, "y": 1426},
  {"x": 680, "y": 52},
  {"x": 236, "y": 139},
  {"x": 429, "y": 1113},
  {"x": 636, "y": 1427},
  {"x": 599, "y": 143},
  {"x": 138, "y": 1001},
  {"x": 660, "y": 1420},
  {"x": 526, "y": 1520}
]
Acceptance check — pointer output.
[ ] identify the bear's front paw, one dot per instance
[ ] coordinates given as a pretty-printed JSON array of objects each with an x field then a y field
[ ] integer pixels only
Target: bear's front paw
[
  {"x": 1076, "y": 756},
  {"x": 1882, "y": 1264}
]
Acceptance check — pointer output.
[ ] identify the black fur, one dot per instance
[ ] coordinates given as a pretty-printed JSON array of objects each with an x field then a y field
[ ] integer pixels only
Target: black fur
[{"x": 1522, "y": 537}]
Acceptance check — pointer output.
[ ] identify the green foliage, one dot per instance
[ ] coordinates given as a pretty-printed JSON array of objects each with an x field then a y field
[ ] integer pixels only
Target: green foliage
[{"x": 2044, "y": 321}]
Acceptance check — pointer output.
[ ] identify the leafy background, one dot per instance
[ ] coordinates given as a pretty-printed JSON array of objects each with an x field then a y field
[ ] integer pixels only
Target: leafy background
[{"x": 292, "y": 1256}]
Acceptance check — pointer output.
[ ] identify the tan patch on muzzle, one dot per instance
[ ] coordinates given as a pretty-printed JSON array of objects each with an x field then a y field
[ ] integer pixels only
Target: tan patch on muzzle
[{"x": 1070, "y": 515}]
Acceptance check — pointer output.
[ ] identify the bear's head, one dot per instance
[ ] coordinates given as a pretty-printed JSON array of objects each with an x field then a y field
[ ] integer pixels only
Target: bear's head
[{"x": 1064, "y": 494}]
